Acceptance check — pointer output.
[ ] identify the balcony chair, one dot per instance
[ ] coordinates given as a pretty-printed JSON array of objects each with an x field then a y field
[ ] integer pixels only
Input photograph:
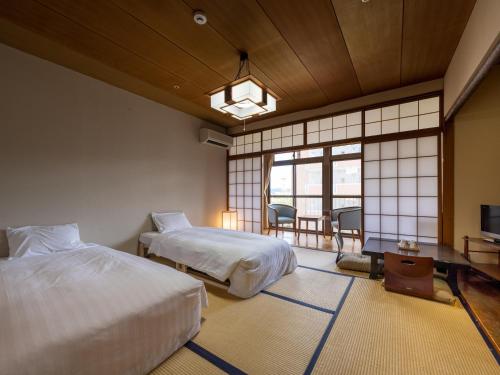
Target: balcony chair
[
  {"x": 281, "y": 214},
  {"x": 347, "y": 218}
]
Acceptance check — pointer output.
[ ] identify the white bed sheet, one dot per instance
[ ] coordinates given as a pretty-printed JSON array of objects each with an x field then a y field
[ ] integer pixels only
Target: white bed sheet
[
  {"x": 250, "y": 261},
  {"x": 93, "y": 311},
  {"x": 147, "y": 237}
]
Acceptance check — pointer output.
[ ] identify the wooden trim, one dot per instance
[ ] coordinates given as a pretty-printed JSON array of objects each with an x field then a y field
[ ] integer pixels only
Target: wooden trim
[
  {"x": 448, "y": 190},
  {"x": 439, "y": 195},
  {"x": 327, "y": 188},
  {"x": 227, "y": 182},
  {"x": 316, "y": 159},
  {"x": 403, "y": 135},
  {"x": 488, "y": 61},
  {"x": 363, "y": 179},
  {"x": 343, "y": 157}
]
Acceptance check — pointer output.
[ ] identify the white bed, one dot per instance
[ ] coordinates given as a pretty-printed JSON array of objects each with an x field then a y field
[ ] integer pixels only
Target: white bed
[
  {"x": 249, "y": 261},
  {"x": 93, "y": 311}
]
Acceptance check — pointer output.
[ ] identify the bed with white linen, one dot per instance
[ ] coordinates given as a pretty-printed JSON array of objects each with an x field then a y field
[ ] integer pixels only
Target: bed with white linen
[
  {"x": 249, "y": 261},
  {"x": 93, "y": 310}
]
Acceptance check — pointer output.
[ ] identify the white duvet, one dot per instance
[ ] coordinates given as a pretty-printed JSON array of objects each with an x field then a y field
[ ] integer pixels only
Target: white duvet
[
  {"x": 250, "y": 261},
  {"x": 93, "y": 311}
]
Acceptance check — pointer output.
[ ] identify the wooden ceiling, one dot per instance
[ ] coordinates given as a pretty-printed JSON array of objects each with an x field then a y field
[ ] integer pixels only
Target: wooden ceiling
[{"x": 311, "y": 53}]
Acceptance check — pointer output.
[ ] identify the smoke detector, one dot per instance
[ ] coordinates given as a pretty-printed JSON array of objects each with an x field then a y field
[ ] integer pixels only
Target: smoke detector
[{"x": 199, "y": 17}]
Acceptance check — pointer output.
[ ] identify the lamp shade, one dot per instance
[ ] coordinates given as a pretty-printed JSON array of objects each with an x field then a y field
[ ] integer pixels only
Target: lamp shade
[
  {"x": 229, "y": 220},
  {"x": 243, "y": 99}
]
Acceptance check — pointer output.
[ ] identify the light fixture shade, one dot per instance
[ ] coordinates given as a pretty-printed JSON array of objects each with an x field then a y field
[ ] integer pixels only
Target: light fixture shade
[
  {"x": 246, "y": 90},
  {"x": 243, "y": 99},
  {"x": 271, "y": 104},
  {"x": 217, "y": 101},
  {"x": 230, "y": 220}
]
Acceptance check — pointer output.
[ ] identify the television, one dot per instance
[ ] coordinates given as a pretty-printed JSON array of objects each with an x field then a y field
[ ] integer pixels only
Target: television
[{"x": 490, "y": 222}]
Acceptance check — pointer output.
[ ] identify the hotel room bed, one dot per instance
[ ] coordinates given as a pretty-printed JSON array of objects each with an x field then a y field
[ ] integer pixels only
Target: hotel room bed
[
  {"x": 249, "y": 261},
  {"x": 93, "y": 311}
]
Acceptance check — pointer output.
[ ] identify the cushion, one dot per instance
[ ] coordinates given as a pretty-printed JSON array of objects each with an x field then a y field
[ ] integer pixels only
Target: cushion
[
  {"x": 285, "y": 219},
  {"x": 354, "y": 262},
  {"x": 39, "y": 240},
  {"x": 170, "y": 221},
  {"x": 442, "y": 291}
]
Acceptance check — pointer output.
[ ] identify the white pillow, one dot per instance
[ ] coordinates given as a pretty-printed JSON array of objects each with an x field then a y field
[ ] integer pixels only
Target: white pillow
[
  {"x": 170, "y": 221},
  {"x": 39, "y": 240}
]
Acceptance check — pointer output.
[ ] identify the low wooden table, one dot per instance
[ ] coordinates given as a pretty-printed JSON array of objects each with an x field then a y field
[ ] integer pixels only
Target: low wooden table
[
  {"x": 443, "y": 256},
  {"x": 311, "y": 218}
]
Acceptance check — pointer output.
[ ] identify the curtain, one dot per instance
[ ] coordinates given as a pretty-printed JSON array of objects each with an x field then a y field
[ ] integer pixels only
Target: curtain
[{"x": 267, "y": 165}]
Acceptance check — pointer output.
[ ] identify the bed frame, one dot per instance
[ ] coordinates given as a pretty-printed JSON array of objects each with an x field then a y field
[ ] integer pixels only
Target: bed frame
[{"x": 142, "y": 251}]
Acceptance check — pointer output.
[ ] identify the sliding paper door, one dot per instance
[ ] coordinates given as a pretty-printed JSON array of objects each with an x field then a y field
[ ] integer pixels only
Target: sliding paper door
[
  {"x": 244, "y": 185},
  {"x": 401, "y": 189}
]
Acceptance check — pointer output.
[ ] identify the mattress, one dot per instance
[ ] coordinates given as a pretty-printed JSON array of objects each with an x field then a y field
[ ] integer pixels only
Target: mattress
[
  {"x": 93, "y": 311},
  {"x": 249, "y": 261}
]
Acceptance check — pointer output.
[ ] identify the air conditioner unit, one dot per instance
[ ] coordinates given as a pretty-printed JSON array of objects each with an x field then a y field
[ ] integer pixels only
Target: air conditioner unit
[{"x": 211, "y": 137}]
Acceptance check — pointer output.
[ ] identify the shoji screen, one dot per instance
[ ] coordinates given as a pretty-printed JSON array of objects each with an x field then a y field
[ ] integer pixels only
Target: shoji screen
[
  {"x": 334, "y": 128},
  {"x": 246, "y": 144},
  {"x": 244, "y": 184},
  {"x": 401, "y": 189},
  {"x": 283, "y": 137},
  {"x": 415, "y": 115}
]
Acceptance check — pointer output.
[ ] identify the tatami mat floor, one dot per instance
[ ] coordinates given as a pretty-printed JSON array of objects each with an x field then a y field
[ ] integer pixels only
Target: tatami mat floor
[{"x": 320, "y": 321}]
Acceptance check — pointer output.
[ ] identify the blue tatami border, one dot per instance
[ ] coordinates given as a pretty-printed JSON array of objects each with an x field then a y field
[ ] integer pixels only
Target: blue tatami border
[
  {"x": 328, "y": 329},
  {"x": 293, "y": 300},
  {"x": 331, "y": 272},
  {"x": 213, "y": 359}
]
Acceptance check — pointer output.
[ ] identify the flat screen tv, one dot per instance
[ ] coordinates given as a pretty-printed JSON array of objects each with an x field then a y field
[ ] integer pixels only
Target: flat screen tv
[{"x": 490, "y": 221}]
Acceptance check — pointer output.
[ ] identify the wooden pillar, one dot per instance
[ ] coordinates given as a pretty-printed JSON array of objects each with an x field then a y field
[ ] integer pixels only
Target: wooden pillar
[
  {"x": 447, "y": 195},
  {"x": 327, "y": 191}
]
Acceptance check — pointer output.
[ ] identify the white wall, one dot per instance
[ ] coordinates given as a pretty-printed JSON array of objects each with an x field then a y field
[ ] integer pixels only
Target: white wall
[{"x": 74, "y": 149}]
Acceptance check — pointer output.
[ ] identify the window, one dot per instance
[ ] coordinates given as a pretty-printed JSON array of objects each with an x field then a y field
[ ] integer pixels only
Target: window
[
  {"x": 309, "y": 189},
  {"x": 281, "y": 180},
  {"x": 301, "y": 154},
  {"x": 311, "y": 153},
  {"x": 281, "y": 185},
  {"x": 347, "y": 149},
  {"x": 298, "y": 182}
]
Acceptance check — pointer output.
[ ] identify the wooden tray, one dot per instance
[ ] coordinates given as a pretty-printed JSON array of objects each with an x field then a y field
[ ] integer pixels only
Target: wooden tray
[{"x": 415, "y": 250}]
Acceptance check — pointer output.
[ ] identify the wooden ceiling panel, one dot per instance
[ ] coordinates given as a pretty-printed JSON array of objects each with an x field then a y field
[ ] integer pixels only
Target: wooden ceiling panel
[
  {"x": 36, "y": 44},
  {"x": 431, "y": 32},
  {"x": 40, "y": 19},
  {"x": 245, "y": 25},
  {"x": 312, "y": 31},
  {"x": 110, "y": 21},
  {"x": 311, "y": 53},
  {"x": 173, "y": 19},
  {"x": 372, "y": 32}
]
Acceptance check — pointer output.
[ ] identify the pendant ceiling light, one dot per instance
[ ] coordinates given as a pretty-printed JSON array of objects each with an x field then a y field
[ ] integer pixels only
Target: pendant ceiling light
[{"x": 244, "y": 97}]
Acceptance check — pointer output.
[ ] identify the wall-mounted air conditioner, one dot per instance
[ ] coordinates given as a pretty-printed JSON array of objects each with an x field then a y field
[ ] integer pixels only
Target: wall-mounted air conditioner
[{"x": 211, "y": 137}]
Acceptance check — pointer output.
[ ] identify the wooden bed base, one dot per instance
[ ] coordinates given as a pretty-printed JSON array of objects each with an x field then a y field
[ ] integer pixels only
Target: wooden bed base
[{"x": 142, "y": 251}]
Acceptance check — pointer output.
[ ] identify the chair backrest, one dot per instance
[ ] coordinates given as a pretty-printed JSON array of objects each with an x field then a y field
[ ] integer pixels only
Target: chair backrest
[
  {"x": 350, "y": 219},
  {"x": 336, "y": 211},
  {"x": 282, "y": 210},
  {"x": 409, "y": 274}
]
